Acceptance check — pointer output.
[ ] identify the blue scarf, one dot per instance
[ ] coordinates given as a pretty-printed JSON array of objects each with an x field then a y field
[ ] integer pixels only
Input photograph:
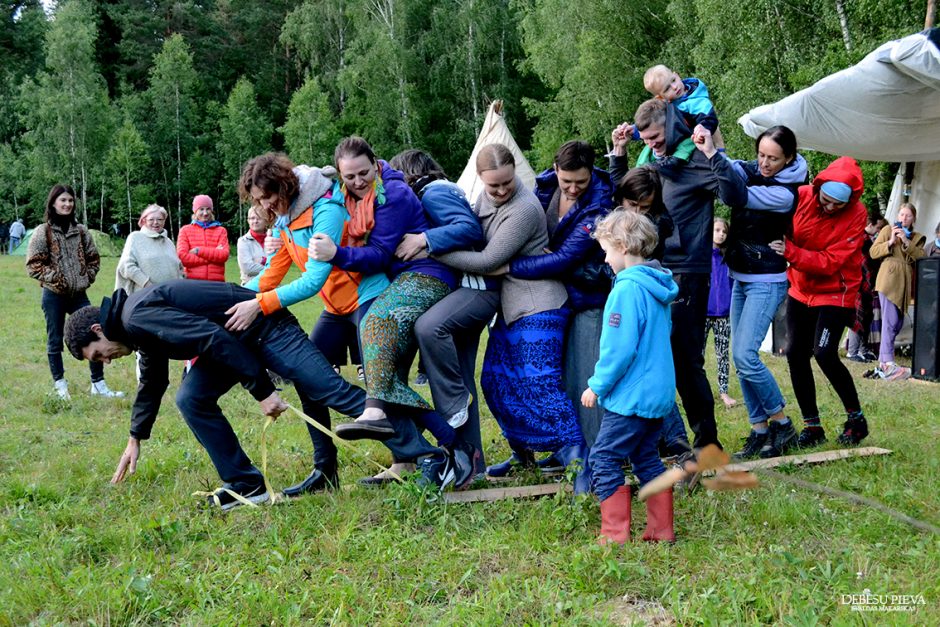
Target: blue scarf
[
  {"x": 282, "y": 222},
  {"x": 207, "y": 225}
]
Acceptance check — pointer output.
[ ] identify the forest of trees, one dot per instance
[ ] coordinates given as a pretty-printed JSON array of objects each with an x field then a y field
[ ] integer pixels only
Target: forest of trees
[{"x": 139, "y": 101}]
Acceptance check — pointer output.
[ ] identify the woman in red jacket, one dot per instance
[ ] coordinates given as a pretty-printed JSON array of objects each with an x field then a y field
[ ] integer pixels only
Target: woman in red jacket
[
  {"x": 825, "y": 256},
  {"x": 203, "y": 244}
]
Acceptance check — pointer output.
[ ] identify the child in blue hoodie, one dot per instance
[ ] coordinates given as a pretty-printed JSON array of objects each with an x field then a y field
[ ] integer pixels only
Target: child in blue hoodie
[{"x": 634, "y": 380}]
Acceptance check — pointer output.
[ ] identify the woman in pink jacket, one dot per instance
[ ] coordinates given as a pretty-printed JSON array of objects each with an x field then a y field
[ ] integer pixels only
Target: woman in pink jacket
[{"x": 203, "y": 245}]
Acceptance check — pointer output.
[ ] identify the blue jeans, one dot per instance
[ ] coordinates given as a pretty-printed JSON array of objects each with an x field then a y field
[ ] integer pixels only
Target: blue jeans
[
  {"x": 621, "y": 438},
  {"x": 753, "y": 306},
  {"x": 287, "y": 351}
]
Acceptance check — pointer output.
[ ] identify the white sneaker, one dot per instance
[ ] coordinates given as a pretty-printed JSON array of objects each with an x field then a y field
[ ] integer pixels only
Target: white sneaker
[
  {"x": 62, "y": 389},
  {"x": 100, "y": 388},
  {"x": 460, "y": 418}
]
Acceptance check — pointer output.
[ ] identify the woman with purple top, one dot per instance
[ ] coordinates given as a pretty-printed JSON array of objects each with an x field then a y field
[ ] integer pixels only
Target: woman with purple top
[{"x": 382, "y": 209}]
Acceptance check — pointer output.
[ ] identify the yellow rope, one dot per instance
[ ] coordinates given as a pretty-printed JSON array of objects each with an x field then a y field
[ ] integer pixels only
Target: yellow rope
[
  {"x": 316, "y": 425},
  {"x": 276, "y": 497}
]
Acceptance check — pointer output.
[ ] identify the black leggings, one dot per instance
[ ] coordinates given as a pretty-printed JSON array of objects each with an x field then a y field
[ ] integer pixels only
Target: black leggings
[{"x": 815, "y": 332}]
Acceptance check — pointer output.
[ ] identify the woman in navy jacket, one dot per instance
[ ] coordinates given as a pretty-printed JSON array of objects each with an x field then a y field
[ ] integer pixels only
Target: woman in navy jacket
[{"x": 574, "y": 195}]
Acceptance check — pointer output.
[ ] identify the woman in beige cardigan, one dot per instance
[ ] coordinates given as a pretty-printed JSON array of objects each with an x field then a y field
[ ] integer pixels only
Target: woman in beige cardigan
[
  {"x": 899, "y": 246},
  {"x": 149, "y": 256}
]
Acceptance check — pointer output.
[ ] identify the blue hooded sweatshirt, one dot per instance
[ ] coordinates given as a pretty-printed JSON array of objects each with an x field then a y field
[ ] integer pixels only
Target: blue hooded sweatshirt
[{"x": 634, "y": 375}]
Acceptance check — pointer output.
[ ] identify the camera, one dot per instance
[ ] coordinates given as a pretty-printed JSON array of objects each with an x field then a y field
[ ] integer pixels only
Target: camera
[{"x": 898, "y": 224}]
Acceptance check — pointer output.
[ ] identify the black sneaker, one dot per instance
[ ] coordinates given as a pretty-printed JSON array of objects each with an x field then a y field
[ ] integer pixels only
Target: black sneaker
[
  {"x": 752, "y": 445},
  {"x": 224, "y": 498},
  {"x": 810, "y": 437},
  {"x": 780, "y": 439},
  {"x": 437, "y": 470},
  {"x": 465, "y": 459},
  {"x": 854, "y": 431}
]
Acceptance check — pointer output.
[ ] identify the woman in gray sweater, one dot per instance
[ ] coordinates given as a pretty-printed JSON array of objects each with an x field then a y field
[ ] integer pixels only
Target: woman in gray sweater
[{"x": 522, "y": 369}]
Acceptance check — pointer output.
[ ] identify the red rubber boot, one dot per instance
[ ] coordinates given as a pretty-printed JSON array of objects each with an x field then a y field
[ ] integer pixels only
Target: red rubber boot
[
  {"x": 615, "y": 517},
  {"x": 659, "y": 526}
]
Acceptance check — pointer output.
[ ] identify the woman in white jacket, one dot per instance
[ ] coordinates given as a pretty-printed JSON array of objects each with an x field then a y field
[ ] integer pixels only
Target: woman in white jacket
[{"x": 251, "y": 255}]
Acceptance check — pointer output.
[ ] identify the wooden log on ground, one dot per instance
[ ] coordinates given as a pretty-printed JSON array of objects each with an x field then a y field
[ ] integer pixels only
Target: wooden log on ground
[
  {"x": 818, "y": 457},
  {"x": 500, "y": 494}
]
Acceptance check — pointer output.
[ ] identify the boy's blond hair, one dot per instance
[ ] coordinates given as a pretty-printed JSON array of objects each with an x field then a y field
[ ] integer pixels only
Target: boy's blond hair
[
  {"x": 633, "y": 233},
  {"x": 656, "y": 78}
]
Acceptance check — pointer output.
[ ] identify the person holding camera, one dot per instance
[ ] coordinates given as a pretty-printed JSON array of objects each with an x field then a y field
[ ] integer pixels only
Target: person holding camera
[{"x": 899, "y": 246}]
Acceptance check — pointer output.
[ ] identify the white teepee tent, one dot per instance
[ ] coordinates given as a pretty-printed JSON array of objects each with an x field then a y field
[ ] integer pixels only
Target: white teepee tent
[{"x": 494, "y": 131}]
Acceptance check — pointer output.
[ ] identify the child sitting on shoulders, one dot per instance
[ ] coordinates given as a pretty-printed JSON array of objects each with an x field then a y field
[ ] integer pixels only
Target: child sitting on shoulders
[
  {"x": 688, "y": 95},
  {"x": 633, "y": 380}
]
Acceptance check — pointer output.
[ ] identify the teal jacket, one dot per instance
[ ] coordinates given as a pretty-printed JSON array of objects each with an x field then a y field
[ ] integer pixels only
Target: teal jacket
[{"x": 634, "y": 375}]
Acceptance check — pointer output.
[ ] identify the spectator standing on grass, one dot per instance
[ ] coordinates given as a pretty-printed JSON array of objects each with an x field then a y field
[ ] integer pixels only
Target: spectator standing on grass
[
  {"x": 62, "y": 256},
  {"x": 203, "y": 244},
  {"x": 17, "y": 231},
  {"x": 824, "y": 251},
  {"x": 899, "y": 246},
  {"x": 860, "y": 336},
  {"x": 149, "y": 256},
  {"x": 250, "y": 246}
]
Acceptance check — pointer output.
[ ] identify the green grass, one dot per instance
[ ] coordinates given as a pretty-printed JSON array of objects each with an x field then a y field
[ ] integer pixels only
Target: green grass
[{"x": 74, "y": 549}]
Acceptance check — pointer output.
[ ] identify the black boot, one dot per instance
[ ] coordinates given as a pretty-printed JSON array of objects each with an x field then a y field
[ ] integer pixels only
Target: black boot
[{"x": 317, "y": 481}]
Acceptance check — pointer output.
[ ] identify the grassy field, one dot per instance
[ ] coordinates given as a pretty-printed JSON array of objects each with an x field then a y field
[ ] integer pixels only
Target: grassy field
[{"x": 76, "y": 550}]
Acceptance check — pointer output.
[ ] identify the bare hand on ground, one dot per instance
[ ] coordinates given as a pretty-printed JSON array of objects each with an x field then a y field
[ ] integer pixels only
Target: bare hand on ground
[{"x": 128, "y": 463}]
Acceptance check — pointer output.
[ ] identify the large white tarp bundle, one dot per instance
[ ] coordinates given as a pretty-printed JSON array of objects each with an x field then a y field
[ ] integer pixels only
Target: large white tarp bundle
[
  {"x": 885, "y": 108},
  {"x": 494, "y": 131}
]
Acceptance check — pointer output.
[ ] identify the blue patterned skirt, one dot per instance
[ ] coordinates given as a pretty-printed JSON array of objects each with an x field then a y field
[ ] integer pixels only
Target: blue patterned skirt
[{"x": 522, "y": 382}]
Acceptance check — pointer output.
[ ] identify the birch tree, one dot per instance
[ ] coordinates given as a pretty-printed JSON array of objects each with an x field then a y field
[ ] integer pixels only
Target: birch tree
[{"x": 171, "y": 93}]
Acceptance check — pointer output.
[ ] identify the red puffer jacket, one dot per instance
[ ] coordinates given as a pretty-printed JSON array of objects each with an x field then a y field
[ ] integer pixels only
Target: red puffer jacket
[
  {"x": 825, "y": 250},
  {"x": 209, "y": 263}
]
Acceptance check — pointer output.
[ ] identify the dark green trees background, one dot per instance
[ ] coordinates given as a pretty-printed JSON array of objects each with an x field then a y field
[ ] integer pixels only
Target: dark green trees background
[{"x": 139, "y": 101}]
